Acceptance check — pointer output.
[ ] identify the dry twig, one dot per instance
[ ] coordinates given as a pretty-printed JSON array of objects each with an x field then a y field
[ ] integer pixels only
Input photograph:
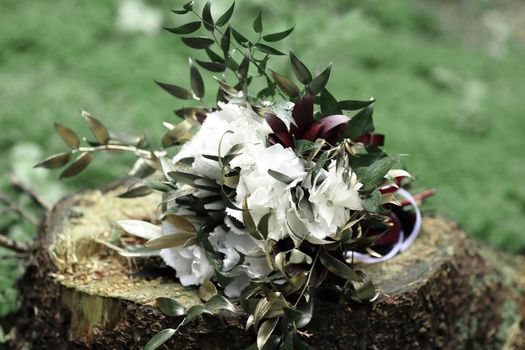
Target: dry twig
[
  {"x": 20, "y": 186},
  {"x": 13, "y": 245},
  {"x": 10, "y": 205}
]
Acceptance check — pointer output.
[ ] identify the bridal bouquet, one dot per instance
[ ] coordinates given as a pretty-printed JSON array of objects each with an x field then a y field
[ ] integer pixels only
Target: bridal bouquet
[{"x": 268, "y": 196}]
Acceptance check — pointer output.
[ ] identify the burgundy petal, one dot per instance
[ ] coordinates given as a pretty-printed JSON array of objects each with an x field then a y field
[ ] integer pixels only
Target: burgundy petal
[
  {"x": 377, "y": 139},
  {"x": 201, "y": 117},
  {"x": 391, "y": 236},
  {"x": 284, "y": 138},
  {"x": 272, "y": 139},
  {"x": 371, "y": 139},
  {"x": 334, "y": 135},
  {"x": 312, "y": 133},
  {"x": 332, "y": 127},
  {"x": 388, "y": 189},
  {"x": 275, "y": 123},
  {"x": 303, "y": 114}
]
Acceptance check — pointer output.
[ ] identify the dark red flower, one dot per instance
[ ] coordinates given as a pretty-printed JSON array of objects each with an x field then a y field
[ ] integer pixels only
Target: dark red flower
[
  {"x": 372, "y": 139},
  {"x": 329, "y": 128}
]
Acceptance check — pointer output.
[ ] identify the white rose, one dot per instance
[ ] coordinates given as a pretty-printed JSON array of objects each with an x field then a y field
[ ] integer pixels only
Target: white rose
[
  {"x": 265, "y": 193},
  {"x": 332, "y": 199},
  {"x": 190, "y": 263},
  {"x": 232, "y": 243},
  {"x": 233, "y": 124}
]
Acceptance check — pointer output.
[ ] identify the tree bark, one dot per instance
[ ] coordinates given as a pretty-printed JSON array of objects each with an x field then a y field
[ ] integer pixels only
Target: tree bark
[{"x": 445, "y": 292}]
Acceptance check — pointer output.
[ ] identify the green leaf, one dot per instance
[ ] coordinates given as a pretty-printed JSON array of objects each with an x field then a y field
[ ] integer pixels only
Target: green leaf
[
  {"x": 214, "y": 56},
  {"x": 261, "y": 309},
  {"x": 232, "y": 65},
  {"x": 191, "y": 114},
  {"x": 225, "y": 87},
  {"x": 139, "y": 191},
  {"x": 179, "y": 134},
  {"x": 364, "y": 291},
  {"x": 217, "y": 67},
  {"x": 225, "y": 41},
  {"x": 207, "y": 19},
  {"x": 338, "y": 267},
  {"x": 180, "y": 222},
  {"x": 288, "y": 342},
  {"x": 299, "y": 317},
  {"x": 319, "y": 82},
  {"x": 298, "y": 257},
  {"x": 374, "y": 175},
  {"x": 142, "y": 168},
  {"x": 262, "y": 64},
  {"x": 278, "y": 36},
  {"x": 170, "y": 241},
  {"x": 187, "y": 28},
  {"x": 303, "y": 146},
  {"x": 227, "y": 200},
  {"x": 373, "y": 202},
  {"x": 269, "y": 50},
  {"x": 140, "y": 252},
  {"x": 329, "y": 105},
  {"x": 218, "y": 302},
  {"x": 247, "y": 219},
  {"x": 285, "y": 84},
  {"x": 194, "y": 312},
  {"x": 360, "y": 124},
  {"x": 139, "y": 228},
  {"x": 175, "y": 90},
  {"x": 188, "y": 6},
  {"x": 97, "y": 128},
  {"x": 159, "y": 339},
  {"x": 226, "y": 16},
  {"x": 198, "y": 42},
  {"x": 262, "y": 226},
  {"x": 265, "y": 331},
  {"x": 257, "y": 23},
  {"x": 54, "y": 161},
  {"x": 197, "y": 84},
  {"x": 207, "y": 290},
  {"x": 353, "y": 105},
  {"x": 193, "y": 180},
  {"x": 300, "y": 70},
  {"x": 285, "y": 179},
  {"x": 180, "y": 12},
  {"x": 170, "y": 307},
  {"x": 68, "y": 135},
  {"x": 241, "y": 39},
  {"x": 244, "y": 67},
  {"x": 78, "y": 165}
]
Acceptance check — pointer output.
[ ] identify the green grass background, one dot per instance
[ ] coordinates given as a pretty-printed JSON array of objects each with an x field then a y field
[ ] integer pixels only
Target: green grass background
[{"x": 442, "y": 97}]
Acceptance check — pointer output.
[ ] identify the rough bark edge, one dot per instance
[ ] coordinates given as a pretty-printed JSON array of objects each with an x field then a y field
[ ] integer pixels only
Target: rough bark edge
[{"x": 492, "y": 319}]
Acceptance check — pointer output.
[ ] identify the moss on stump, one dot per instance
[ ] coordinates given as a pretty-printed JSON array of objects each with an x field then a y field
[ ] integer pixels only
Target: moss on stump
[{"x": 445, "y": 292}]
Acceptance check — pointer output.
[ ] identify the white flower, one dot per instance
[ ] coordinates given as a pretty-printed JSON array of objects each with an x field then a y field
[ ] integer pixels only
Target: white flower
[
  {"x": 332, "y": 198},
  {"x": 265, "y": 193},
  {"x": 232, "y": 243},
  {"x": 233, "y": 124},
  {"x": 190, "y": 263}
]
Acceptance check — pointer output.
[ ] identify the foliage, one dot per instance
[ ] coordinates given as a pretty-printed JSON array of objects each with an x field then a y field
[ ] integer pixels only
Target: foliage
[
  {"x": 338, "y": 154},
  {"x": 83, "y": 60}
]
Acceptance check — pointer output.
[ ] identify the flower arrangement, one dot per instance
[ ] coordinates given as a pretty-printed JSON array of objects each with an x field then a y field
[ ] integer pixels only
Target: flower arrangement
[{"x": 267, "y": 197}]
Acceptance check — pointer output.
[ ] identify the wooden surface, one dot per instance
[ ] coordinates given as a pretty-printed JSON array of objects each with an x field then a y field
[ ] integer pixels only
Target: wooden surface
[{"x": 445, "y": 292}]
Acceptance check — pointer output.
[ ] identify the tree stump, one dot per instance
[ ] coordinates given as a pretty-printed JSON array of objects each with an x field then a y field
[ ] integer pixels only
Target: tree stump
[{"x": 445, "y": 292}]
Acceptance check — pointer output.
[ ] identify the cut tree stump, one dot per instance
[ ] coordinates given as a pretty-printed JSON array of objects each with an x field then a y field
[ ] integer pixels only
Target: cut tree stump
[{"x": 445, "y": 292}]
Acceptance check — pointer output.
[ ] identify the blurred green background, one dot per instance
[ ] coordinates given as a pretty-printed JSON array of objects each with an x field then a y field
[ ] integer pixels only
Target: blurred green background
[{"x": 448, "y": 77}]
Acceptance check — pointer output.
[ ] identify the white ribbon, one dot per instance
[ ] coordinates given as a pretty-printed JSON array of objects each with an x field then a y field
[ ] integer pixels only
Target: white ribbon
[{"x": 402, "y": 244}]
